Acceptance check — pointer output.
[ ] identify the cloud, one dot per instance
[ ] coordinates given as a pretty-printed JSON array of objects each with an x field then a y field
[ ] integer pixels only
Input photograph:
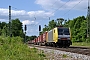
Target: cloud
[
  {"x": 79, "y": 4},
  {"x": 32, "y": 31},
  {"x": 49, "y": 4},
  {"x": 30, "y": 18},
  {"x": 28, "y": 22},
  {"x": 39, "y": 15},
  {"x": 24, "y": 15},
  {"x": 3, "y": 20},
  {"x": 62, "y": 5}
]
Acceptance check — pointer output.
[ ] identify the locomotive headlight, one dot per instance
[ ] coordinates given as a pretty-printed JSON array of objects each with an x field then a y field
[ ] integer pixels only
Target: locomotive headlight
[
  {"x": 59, "y": 38},
  {"x": 68, "y": 38}
]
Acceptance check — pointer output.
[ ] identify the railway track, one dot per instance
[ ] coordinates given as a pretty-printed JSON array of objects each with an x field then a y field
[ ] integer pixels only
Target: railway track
[{"x": 79, "y": 50}]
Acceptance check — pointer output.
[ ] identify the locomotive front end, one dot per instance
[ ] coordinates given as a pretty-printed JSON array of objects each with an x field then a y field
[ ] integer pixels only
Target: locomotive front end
[{"x": 64, "y": 37}]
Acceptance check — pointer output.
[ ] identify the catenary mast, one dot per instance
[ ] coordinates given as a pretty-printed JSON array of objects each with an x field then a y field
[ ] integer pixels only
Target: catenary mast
[
  {"x": 10, "y": 32},
  {"x": 88, "y": 20}
]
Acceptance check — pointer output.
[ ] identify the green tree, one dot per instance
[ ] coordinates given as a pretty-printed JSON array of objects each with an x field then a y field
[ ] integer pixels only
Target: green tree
[
  {"x": 78, "y": 28},
  {"x": 3, "y": 28},
  {"x": 3, "y": 24},
  {"x": 52, "y": 24},
  {"x": 17, "y": 28},
  {"x": 46, "y": 28},
  {"x": 31, "y": 37}
]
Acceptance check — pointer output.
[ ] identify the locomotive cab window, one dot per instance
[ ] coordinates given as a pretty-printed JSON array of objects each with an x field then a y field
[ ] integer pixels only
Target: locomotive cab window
[
  {"x": 60, "y": 31},
  {"x": 54, "y": 31},
  {"x": 64, "y": 31}
]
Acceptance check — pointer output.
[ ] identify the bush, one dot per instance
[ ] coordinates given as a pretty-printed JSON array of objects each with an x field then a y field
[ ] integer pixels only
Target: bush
[{"x": 14, "y": 49}]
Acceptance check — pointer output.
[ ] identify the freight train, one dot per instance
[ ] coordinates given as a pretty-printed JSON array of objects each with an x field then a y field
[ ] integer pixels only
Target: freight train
[{"x": 58, "y": 37}]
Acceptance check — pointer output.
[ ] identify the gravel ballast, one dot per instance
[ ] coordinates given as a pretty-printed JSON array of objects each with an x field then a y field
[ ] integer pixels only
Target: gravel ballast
[{"x": 52, "y": 54}]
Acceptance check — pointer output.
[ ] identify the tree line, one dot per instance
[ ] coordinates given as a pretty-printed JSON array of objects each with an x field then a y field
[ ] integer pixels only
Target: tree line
[
  {"x": 16, "y": 28},
  {"x": 78, "y": 27}
]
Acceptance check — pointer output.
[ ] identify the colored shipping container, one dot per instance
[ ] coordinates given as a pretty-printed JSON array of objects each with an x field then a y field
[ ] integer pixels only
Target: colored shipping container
[{"x": 44, "y": 36}]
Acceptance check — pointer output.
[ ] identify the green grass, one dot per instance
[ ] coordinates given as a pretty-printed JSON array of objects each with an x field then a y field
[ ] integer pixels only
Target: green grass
[
  {"x": 81, "y": 44},
  {"x": 64, "y": 56},
  {"x": 14, "y": 49}
]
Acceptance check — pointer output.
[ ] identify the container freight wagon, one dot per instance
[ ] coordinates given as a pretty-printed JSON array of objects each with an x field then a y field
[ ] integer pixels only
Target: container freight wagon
[
  {"x": 34, "y": 41},
  {"x": 59, "y": 36},
  {"x": 42, "y": 38},
  {"x": 38, "y": 40},
  {"x": 30, "y": 42}
]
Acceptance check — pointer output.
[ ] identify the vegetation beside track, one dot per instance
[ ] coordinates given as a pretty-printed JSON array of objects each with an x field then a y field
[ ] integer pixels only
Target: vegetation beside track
[
  {"x": 85, "y": 44},
  {"x": 14, "y": 49}
]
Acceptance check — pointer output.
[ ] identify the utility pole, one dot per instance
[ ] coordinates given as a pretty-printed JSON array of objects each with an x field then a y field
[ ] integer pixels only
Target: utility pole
[
  {"x": 10, "y": 33},
  {"x": 88, "y": 21}
]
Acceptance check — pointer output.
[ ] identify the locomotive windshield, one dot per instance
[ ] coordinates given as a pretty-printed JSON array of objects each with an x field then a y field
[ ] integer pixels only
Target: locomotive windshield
[{"x": 63, "y": 31}]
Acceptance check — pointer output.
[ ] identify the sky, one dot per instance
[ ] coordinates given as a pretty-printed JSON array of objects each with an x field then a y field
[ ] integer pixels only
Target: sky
[{"x": 37, "y": 12}]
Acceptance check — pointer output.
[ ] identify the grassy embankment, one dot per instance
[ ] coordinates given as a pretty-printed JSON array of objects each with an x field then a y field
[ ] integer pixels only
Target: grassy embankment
[
  {"x": 14, "y": 49},
  {"x": 81, "y": 44}
]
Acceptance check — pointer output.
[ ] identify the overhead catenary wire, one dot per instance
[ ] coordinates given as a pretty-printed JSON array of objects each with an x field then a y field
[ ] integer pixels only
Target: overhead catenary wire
[
  {"x": 23, "y": 15},
  {"x": 69, "y": 9},
  {"x": 14, "y": 7},
  {"x": 59, "y": 7},
  {"x": 54, "y": 3},
  {"x": 51, "y": 6},
  {"x": 72, "y": 7}
]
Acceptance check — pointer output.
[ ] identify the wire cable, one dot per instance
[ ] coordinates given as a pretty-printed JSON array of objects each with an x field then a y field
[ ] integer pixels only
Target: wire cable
[
  {"x": 54, "y": 3},
  {"x": 72, "y": 7},
  {"x": 61, "y": 6},
  {"x": 58, "y": 8}
]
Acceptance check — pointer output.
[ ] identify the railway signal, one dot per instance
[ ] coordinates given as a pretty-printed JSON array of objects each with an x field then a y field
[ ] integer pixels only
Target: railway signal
[
  {"x": 39, "y": 27},
  {"x": 25, "y": 28}
]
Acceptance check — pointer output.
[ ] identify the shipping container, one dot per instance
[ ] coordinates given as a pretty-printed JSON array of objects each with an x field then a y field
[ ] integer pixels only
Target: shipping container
[
  {"x": 44, "y": 36},
  {"x": 41, "y": 38},
  {"x": 38, "y": 39},
  {"x": 33, "y": 41}
]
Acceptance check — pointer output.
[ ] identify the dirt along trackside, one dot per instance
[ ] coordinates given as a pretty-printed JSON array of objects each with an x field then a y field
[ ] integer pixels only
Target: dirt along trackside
[{"x": 71, "y": 53}]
